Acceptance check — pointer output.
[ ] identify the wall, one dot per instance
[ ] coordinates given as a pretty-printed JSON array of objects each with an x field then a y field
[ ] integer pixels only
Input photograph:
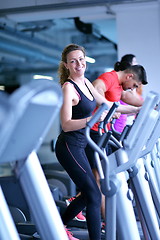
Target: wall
[{"x": 138, "y": 32}]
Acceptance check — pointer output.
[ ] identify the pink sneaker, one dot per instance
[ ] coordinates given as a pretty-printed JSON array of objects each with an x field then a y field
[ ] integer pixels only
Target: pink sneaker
[
  {"x": 70, "y": 235},
  {"x": 103, "y": 226},
  {"x": 80, "y": 217}
]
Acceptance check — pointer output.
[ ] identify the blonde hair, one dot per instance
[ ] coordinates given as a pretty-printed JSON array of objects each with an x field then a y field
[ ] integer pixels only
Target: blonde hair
[{"x": 62, "y": 70}]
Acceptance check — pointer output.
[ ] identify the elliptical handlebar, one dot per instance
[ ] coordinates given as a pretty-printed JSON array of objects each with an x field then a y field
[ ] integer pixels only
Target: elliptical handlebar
[
  {"x": 111, "y": 112},
  {"x": 95, "y": 147},
  {"x": 90, "y": 124},
  {"x": 141, "y": 131},
  {"x": 97, "y": 114},
  {"x": 103, "y": 124}
]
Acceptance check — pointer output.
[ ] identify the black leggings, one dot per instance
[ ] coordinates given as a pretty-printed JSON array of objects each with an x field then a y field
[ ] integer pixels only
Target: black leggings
[
  {"x": 74, "y": 161},
  {"x": 90, "y": 152}
]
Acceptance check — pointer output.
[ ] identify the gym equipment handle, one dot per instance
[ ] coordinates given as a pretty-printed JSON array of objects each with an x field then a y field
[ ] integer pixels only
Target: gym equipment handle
[{"x": 97, "y": 114}]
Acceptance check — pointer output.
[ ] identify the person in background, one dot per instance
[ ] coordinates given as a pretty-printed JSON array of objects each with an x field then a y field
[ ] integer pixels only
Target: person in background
[
  {"x": 79, "y": 100},
  {"x": 130, "y": 58},
  {"x": 124, "y": 119},
  {"x": 113, "y": 86}
]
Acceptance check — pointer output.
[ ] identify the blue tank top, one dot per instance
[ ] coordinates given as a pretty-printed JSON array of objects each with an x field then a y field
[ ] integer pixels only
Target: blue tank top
[{"x": 83, "y": 109}]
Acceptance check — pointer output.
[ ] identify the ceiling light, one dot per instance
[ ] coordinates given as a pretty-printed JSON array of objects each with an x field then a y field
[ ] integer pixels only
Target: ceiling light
[
  {"x": 42, "y": 77},
  {"x": 2, "y": 88},
  {"x": 90, "y": 60}
]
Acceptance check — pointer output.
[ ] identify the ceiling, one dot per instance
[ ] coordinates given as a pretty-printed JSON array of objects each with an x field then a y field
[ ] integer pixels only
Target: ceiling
[{"x": 34, "y": 32}]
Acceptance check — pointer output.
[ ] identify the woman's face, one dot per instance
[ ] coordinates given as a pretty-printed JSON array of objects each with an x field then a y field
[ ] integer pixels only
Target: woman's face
[{"x": 76, "y": 63}]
